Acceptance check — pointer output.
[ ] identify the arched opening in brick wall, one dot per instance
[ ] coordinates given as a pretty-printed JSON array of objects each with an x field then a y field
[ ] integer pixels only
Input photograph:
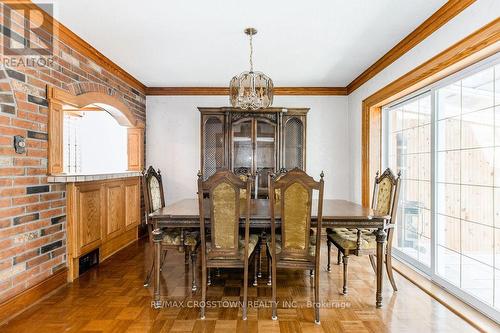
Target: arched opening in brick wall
[{"x": 96, "y": 105}]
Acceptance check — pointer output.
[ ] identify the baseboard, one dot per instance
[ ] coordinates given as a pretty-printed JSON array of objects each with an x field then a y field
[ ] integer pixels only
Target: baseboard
[
  {"x": 23, "y": 301},
  {"x": 472, "y": 316}
]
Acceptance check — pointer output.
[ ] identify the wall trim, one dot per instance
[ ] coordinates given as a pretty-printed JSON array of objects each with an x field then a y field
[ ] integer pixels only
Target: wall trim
[
  {"x": 23, "y": 301},
  {"x": 444, "y": 14},
  {"x": 479, "y": 45},
  {"x": 224, "y": 91}
]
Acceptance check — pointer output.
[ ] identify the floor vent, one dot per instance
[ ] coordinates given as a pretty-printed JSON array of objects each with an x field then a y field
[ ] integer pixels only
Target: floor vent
[{"x": 87, "y": 261}]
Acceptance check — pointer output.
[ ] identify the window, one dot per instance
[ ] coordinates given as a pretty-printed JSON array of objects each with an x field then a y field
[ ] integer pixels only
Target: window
[
  {"x": 446, "y": 141},
  {"x": 409, "y": 151}
]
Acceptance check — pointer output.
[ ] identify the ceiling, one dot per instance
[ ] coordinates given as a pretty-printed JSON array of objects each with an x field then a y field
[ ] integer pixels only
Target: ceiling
[{"x": 185, "y": 43}]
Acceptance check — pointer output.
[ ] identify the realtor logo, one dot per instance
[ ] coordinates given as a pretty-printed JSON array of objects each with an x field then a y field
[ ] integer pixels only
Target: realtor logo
[{"x": 26, "y": 30}]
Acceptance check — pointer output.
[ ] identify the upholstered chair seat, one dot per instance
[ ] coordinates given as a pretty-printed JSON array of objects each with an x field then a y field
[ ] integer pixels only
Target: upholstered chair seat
[
  {"x": 173, "y": 237},
  {"x": 348, "y": 238},
  {"x": 252, "y": 243},
  {"x": 311, "y": 250}
]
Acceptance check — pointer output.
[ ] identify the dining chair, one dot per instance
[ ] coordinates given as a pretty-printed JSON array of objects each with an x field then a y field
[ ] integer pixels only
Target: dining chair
[
  {"x": 294, "y": 247},
  {"x": 223, "y": 243},
  {"x": 179, "y": 239},
  {"x": 363, "y": 241}
]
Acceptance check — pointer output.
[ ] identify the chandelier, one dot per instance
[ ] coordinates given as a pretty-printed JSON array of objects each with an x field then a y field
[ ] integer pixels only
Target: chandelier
[{"x": 251, "y": 90}]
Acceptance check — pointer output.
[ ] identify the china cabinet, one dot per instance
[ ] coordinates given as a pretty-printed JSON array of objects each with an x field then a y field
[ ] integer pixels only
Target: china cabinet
[{"x": 256, "y": 142}]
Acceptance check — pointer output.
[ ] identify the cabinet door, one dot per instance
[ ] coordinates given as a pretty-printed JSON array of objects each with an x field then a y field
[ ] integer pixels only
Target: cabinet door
[
  {"x": 212, "y": 144},
  {"x": 242, "y": 150},
  {"x": 89, "y": 210},
  {"x": 265, "y": 154},
  {"x": 115, "y": 219},
  {"x": 132, "y": 204},
  {"x": 294, "y": 142}
]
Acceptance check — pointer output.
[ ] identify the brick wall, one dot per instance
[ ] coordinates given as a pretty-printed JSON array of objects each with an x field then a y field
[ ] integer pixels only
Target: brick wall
[{"x": 32, "y": 212}]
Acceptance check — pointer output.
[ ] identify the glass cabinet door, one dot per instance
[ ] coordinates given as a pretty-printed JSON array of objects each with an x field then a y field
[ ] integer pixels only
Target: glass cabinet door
[
  {"x": 213, "y": 142},
  {"x": 265, "y": 154},
  {"x": 242, "y": 147},
  {"x": 294, "y": 144}
]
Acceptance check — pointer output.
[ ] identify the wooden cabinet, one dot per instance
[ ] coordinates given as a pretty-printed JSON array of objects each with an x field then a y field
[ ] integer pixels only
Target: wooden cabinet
[
  {"x": 132, "y": 204},
  {"x": 257, "y": 142},
  {"x": 101, "y": 214}
]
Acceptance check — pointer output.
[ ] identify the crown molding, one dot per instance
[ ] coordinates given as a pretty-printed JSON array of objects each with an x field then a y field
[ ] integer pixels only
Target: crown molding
[
  {"x": 224, "y": 91},
  {"x": 444, "y": 14}
]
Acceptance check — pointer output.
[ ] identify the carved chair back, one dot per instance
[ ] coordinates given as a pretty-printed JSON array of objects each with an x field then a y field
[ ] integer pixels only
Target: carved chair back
[
  {"x": 154, "y": 199},
  {"x": 294, "y": 204},
  {"x": 223, "y": 193},
  {"x": 152, "y": 186},
  {"x": 385, "y": 197}
]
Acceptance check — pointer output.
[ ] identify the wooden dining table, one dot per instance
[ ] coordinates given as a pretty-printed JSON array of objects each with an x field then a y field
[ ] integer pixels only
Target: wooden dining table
[{"x": 336, "y": 214}]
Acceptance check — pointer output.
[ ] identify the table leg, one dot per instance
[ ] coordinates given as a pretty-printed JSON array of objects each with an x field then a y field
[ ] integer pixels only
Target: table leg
[
  {"x": 380, "y": 236},
  {"x": 157, "y": 237}
]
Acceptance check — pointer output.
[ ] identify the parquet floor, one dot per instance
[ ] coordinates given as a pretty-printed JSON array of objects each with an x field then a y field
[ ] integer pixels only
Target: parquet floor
[{"x": 111, "y": 298}]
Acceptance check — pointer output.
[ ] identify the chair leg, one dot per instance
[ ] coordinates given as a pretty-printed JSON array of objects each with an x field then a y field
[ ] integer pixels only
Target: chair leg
[
  {"x": 316, "y": 299},
  {"x": 345, "y": 259},
  {"x": 245, "y": 291},
  {"x": 328, "y": 266},
  {"x": 193, "y": 270},
  {"x": 150, "y": 273},
  {"x": 372, "y": 261},
  {"x": 163, "y": 259},
  {"x": 204, "y": 283},
  {"x": 269, "y": 271},
  {"x": 339, "y": 257},
  {"x": 259, "y": 273},
  {"x": 273, "y": 288},
  {"x": 255, "y": 273},
  {"x": 186, "y": 255},
  {"x": 388, "y": 266}
]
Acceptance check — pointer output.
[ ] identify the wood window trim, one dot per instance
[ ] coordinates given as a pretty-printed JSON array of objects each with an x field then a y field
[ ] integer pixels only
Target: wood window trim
[
  {"x": 477, "y": 46},
  {"x": 58, "y": 99}
]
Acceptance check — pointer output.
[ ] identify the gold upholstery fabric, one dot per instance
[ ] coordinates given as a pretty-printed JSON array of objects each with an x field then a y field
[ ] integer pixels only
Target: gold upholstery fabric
[
  {"x": 172, "y": 236},
  {"x": 384, "y": 196},
  {"x": 348, "y": 238},
  {"x": 311, "y": 248},
  {"x": 224, "y": 216},
  {"x": 252, "y": 244},
  {"x": 154, "y": 189},
  {"x": 296, "y": 210},
  {"x": 191, "y": 239},
  {"x": 243, "y": 192}
]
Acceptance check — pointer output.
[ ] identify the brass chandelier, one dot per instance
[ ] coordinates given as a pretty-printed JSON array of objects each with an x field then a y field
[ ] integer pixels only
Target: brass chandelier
[{"x": 251, "y": 90}]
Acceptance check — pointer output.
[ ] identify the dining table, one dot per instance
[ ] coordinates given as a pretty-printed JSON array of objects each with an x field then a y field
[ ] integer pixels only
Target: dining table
[{"x": 336, "y": 214}]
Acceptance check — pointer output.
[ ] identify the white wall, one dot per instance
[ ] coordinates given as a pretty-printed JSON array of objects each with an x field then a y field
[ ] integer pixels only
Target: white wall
[
  {"x": 471, "y": 19},
  {"x": 173, "y": 140}
]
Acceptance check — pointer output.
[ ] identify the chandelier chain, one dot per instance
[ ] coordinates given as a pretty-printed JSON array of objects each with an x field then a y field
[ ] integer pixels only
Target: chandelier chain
[{"x": 251, "y": 53}]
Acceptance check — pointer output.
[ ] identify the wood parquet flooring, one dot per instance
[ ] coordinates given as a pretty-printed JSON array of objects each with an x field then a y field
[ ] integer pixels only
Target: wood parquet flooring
[{"x": 111, "y": 298}]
